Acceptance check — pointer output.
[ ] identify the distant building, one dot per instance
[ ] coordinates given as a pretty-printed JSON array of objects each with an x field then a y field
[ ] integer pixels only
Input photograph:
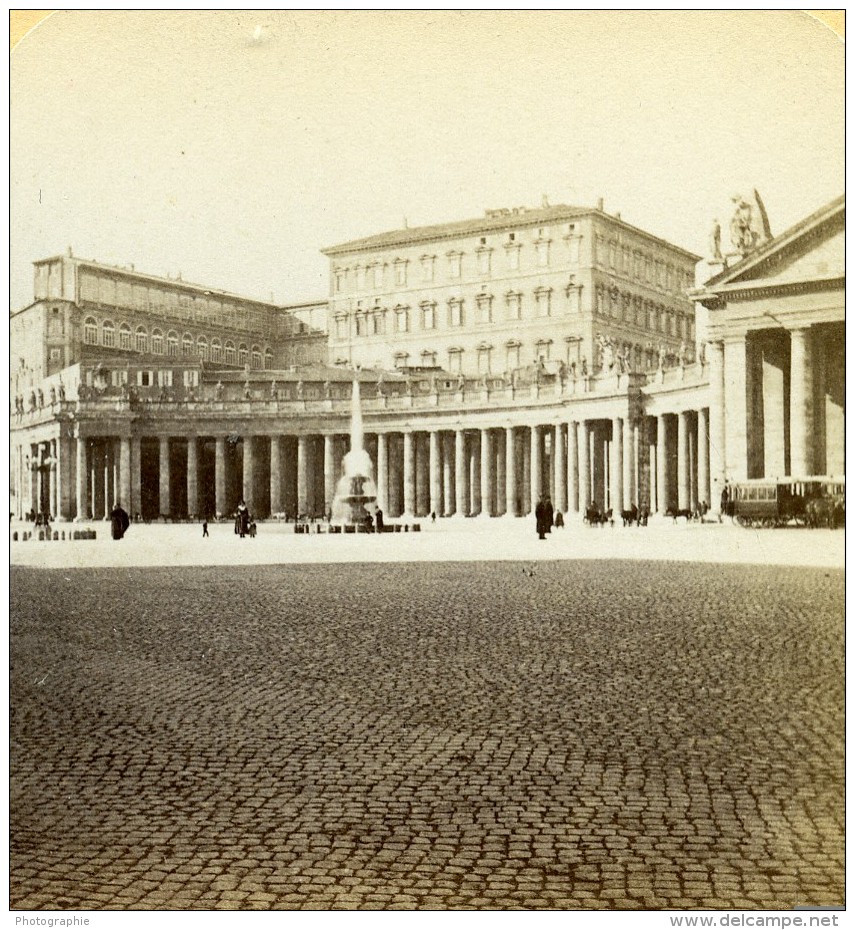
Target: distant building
[
  {"x": 510, "y": 290},
  {"x": 178, "y": 400}
]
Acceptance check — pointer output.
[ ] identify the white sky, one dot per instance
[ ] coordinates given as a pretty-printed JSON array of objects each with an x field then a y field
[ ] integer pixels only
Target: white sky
[{"x": 233, "y": 146}]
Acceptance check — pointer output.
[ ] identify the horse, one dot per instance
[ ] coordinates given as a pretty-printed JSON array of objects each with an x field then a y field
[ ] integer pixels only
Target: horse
[
  {"x": 825, "y": 511},
  {"x": 596, "y": 517},
  {"x": 679, "y": 512},
  {"x": 630, "y": 516}
]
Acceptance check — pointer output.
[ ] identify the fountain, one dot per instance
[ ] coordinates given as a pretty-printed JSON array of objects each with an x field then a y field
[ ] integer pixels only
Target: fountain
[{"x": 355, "y": 501}]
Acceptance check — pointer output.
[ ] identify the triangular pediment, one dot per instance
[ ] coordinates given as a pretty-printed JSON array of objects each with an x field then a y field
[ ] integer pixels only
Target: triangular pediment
[{"x": 810, "y": 250}]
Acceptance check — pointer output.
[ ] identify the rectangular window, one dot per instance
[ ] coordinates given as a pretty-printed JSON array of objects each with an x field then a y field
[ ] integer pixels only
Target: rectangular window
[
  {"x": 455, "y": 264},
  {"x": 513, "y": 253},
  {"x": 55, "y": 355},
  {"x": 455, "y": 361},
  {"x": 513, "y": 302},
  {"x": 164, "y": 377},
  {"x": 542, "y": 253},
  {"x": 402, "y": 320},
  {"x": 341, "y": 327},
  {"x": 428, "y": 316},
  {"x": 485, "y": 303},
  {"x": 400, "y": 273},
  {"x": 455, "y": 314},
  {"x": 145, "y": 378},
  {"x": 484, "y": 261},
  {"x": 428, "y": 263},
  {"x": 339, "y": 280}
]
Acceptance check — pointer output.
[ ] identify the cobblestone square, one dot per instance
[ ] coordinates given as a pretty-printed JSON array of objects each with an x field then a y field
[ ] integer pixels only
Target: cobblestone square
[{"x": 566, "y": 734}]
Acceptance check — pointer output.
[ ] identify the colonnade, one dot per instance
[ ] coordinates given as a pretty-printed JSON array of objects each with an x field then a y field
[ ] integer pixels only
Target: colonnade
[{"x": 660, "y": 463}]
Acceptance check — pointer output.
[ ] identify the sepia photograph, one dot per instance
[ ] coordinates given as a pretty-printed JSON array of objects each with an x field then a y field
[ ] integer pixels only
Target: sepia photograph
[{"x": 427, "y": 465}]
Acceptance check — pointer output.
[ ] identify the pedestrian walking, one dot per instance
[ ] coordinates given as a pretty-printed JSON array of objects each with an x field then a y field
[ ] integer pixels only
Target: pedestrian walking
[
  {"x": 205, "y": 528},
  {"x": 242, "y": 520},
  {"x": 559, "y": 519},
  {"x": 543, "y": 516},
  {"x": 119, "y": 521},
  {"x": 378, "y": 520}
]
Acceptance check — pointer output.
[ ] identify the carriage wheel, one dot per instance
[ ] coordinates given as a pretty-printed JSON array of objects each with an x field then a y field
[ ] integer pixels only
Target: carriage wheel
[
  {"x": 742, "y": 520},
  {"x": 769, "y": 522},
  {"x": 800, "y": 519}
]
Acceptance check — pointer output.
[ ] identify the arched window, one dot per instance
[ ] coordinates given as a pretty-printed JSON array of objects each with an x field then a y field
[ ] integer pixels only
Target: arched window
[
  {"x": 124, "y": 336},
  {"x": 156, "y": 342},
  {"x": 256, "y": 357},
  {"x": 230, "y": 352},
  {"x": 243, "y": 354},
  {"x": 216, "y": 351},
  {"x": 187, "y": 345},
  {"x": 202, "y": 348},
  {"x": 268, "y": 359},
  {"x": 90, "y": 331},
  {"x": 141, "y": 339},
  {"x": 108, "y": 334},
  {"x": 172, "y": 343}
]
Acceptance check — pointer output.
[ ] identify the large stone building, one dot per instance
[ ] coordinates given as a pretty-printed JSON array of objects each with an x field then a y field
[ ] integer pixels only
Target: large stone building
[
  {"x": 509, "y": 290},
  {"x": 100, "y": 415}
]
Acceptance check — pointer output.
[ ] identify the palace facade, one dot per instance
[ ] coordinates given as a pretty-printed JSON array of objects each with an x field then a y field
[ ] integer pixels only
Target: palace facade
[
  {"x": 122, "y": 388},
  {"x": 512, "y": 289}
]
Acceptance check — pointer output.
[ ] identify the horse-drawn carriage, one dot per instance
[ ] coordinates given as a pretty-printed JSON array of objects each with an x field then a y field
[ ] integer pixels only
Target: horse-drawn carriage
[{"x": 809, "y": 502}]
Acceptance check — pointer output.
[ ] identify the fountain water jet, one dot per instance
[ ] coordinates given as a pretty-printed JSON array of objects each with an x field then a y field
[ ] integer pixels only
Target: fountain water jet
[{"x": 355, "y": 500}]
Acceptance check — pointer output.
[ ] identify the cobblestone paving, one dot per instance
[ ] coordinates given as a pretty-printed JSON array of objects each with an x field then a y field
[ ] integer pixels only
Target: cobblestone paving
[{"x": 571, "y": 735}]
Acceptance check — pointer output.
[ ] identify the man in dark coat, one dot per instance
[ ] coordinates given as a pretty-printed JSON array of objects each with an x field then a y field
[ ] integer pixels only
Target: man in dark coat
[
  {"x": 378, "y": 520},
  {"x": 543, "y": 514},
  {"x": 119, "y": 521}
]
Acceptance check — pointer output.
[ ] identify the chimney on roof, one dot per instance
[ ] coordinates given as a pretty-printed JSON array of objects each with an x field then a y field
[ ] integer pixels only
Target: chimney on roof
[
  {"x": 178, "y": 277},
  {"x": 617, "y": 216},
  {"x": 600, "y": 204},
  {"x": 70, "y": 255}
]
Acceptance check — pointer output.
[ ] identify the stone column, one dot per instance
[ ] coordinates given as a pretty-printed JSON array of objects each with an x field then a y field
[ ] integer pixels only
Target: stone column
[
  {"x": 559, "y": 469},
  {"x": 715, "y": 361},
  {"x": 303, "y": 475},
  {"x": 447, "y": 474},
  {"x": 683, "y": 486},
  {"x": 136, "y": 475},
  {"x": 735, "y": 394},
  {"x": 536, "y": 466},
  {"x": 63, "y": 465},
  {"x": 485, "y": 476},
  {"x": 164, "y": 502},
  {"x": 584, "y": 465},
  {"x": 572, "y": 467},
  {"x": 510, "y": 472},
  {"x": 616, "y": 467},
  {"x": 220, "y": 475},
  {"x": 435, "y": 503},
  {"x": 329, "y": 472},
  {"x": 192, "y": 476},
  {"x": 383, "y": 472},
  {"x": 461, "y": 474},
  {"x": 82, "y": 480},
  {"x": 525, "y": 462},
  {"x": 108, "y": 477},
  {"x": 801, "y": 403},
  {"x": 662, "y": 483},
  {"x": 499, "y": 459},
  {"x": 125, "y": 473},
  {"x": 409, "y": 474},
  {"x": 629, "y": 491},
  {"x": 703, "y": 457},
  {"x": 421, "y": 448},
  {"x": 53, "y": 495},
  {"x": 276, "y": 475}
]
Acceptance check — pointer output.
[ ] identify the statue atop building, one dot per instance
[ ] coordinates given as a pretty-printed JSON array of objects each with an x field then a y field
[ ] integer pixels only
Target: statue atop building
[
  {"x": 715, "y": 242},
  {"x": 749, "y": 226}
]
